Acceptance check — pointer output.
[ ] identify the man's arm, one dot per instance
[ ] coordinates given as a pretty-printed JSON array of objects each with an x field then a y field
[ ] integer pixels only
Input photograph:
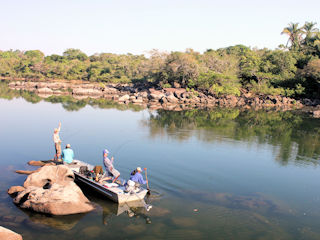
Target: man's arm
[
  {"x": 59, "y": 127},
  {"x": 141, "y": 180}
]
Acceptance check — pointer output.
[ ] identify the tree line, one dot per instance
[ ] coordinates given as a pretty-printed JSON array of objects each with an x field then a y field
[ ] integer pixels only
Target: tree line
[{"x": 290, "y": 70}]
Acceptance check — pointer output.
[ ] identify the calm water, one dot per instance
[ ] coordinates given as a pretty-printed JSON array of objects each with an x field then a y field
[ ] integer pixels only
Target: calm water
[{"x": 220, "y": 174}]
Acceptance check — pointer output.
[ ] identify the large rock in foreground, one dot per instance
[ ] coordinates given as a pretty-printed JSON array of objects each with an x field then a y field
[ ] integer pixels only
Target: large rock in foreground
[
  {"x": 52, "y": 190},
  {"x": 6, "y": 234}
]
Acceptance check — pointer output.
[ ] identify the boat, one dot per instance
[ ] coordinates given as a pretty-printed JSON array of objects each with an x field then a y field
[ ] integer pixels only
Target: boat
[{"x": 115, "y": 191}]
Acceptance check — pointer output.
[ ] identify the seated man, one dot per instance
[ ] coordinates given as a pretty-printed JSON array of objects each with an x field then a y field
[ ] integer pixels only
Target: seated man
[
  {"x": 137, "y": 177},
  {"x": 67, "y": 154},
  {"x": 110, "y": 170}
]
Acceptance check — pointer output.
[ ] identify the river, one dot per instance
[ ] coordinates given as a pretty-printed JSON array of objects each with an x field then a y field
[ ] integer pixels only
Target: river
[{"x": 215, "y": 174}]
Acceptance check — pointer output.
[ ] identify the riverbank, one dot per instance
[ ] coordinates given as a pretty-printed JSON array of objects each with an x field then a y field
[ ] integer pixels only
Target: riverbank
[{"x": 161, "y": 98}]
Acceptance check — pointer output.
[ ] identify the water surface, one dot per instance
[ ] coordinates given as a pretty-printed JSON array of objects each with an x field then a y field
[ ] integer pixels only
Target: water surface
[{"x": 221, "y": 174}]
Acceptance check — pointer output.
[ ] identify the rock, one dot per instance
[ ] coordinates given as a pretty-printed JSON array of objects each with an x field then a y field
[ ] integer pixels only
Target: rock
[
  {"x": 172, "y": 99},
  {"x": 156, "y": 95},
  {"x": 316, "y": 114},
  {"x": 52, "y": 190},
  {"x": 44, "y": 90},
  {"x": 124, "y": 98},
  {"x": 110, "y": 90},
  {"x": 36, "y": 163},
  {"x": 132, "y": 98},
  {"x": 178, "y": 93},
  {"x": 138, "y": 100},
  {"x": 6, "y": 234},
  {"x": 15, "y": 189},
  {"x": 26, "y": 172},
  {"x": 57, "y": 85},
  {"x": 163, "y": 100},
  {"x": 307, "y": 102},
  {"x": 87, "y": 91},
  {"x": 143, "y": 94}
]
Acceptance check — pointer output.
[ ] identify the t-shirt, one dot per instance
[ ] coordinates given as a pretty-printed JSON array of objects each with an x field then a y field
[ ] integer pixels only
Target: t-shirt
[
  {"x": 67, "y": 155},
  {"x": 107, "y": 162},
  {"x": 138, "y": 178},
  {"x": 56, "y": 137}
]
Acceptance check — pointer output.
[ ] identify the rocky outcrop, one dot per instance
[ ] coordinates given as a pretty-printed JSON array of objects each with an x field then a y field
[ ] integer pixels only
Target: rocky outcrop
[
  {"x": 167, "y": 98},
  {"x": 6, "y": 234},
  {"x": 52, "y": 190}
]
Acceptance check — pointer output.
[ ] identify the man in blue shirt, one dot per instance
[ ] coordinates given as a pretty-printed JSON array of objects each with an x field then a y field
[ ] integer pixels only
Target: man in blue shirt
[
  {"x": 137, "y": 177},
  {"x": 67, "y": 154}
]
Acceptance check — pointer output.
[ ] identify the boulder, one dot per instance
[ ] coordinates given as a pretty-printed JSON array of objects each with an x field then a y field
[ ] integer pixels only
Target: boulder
[
  {"x": 143, "y": 94},
  {"x": 138, "y": 100},
  {"x": 110, "y": 90},
  {"x": 316, "y": 114},
  {"x": 56, "y": 85},
  {"x": 86, "y": 92},
  {"x": 15, "y": 189},
  {"x": 52, "y": 190},
  {"x": 172, "y": 99},
  {"x": 124, "y": 98},
  {"x": 6, "y": 234},
  {"x": 44, "y": 90},
  {"x": 156, "y": 95}
]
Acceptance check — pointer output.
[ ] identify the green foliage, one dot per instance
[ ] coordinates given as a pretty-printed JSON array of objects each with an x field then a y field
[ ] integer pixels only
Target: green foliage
[
  {"x": 290, "y": 71},
  {"x": 218, "y": 84}
]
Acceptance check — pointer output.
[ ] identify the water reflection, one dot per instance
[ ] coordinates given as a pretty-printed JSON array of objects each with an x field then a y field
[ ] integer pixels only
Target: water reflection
[
  {"x": 295, "y": 136},
  {"x": 39, "y": 221},
  {"x": 111, "y": 210},
  {"x": 68, "y": 102}
]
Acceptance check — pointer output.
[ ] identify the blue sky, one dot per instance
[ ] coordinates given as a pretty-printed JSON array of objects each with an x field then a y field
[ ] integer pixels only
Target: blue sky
[{"x": 138, "y": 26}]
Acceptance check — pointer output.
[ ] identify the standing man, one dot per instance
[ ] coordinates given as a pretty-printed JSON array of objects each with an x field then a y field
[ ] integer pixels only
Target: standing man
[
  {"x": 67, "y": 154},
  {"x": 110, "y": 170},
  {"x": 57, "y": 142}
]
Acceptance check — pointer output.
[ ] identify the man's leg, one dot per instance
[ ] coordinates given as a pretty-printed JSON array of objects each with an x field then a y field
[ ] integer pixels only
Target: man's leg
[
  {"x": 59, "y": 151},
  {"x": 56, "y": 155}
]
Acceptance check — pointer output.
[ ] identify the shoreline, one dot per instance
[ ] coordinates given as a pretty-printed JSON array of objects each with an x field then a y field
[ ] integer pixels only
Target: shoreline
[{"x": 159, "y": 98}]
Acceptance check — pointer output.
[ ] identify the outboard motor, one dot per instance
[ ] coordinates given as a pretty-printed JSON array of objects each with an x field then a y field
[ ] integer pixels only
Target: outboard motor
[{"x": 130, "y": 186}]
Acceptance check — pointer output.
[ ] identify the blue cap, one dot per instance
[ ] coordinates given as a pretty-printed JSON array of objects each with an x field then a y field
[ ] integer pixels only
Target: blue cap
[{"x": 105, "y": 151}]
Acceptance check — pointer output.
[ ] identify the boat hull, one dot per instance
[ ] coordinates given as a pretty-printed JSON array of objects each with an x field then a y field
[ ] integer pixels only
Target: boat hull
[{"x": 116, "y": 194}]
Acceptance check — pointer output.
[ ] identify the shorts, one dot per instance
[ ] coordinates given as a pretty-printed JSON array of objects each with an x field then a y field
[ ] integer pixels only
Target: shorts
[
  {"x": 58, "y": 148},
  {"x": 114, "y": 173}
]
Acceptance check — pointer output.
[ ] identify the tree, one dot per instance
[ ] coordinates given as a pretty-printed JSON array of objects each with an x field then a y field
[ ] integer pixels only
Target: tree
[
  {"x": 72, "y": 53},
  {"x": 309, "y": 29},
  {"x": 295, "y": 35}
]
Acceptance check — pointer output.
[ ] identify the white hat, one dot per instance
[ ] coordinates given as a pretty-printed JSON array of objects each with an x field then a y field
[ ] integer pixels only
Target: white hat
[
  {"x": 105, "y": 151},
  {"x": 139, "y": 169},
  {"x": 68, "y": 146}
]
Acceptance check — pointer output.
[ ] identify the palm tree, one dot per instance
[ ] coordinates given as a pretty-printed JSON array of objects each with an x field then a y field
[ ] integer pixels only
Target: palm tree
[
  {"x": 295, "y": 35},
  {"x": 310, "y": 30}
]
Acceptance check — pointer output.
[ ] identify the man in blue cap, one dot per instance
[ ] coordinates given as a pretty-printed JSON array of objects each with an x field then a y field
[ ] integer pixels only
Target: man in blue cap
[{"x": 110, "y": 170}]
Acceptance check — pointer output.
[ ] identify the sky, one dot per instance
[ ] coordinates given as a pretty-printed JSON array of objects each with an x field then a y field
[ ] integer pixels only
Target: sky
[{"x": 138, "y": 26}]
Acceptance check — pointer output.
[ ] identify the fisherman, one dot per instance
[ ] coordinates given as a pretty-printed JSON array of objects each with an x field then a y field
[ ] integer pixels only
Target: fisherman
[
  {"x": 137, "y": 177},
  {"x": 57, "y": 143},
  {"x": 110, "y": 170},
  {"x": 67, "y": 154}
]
